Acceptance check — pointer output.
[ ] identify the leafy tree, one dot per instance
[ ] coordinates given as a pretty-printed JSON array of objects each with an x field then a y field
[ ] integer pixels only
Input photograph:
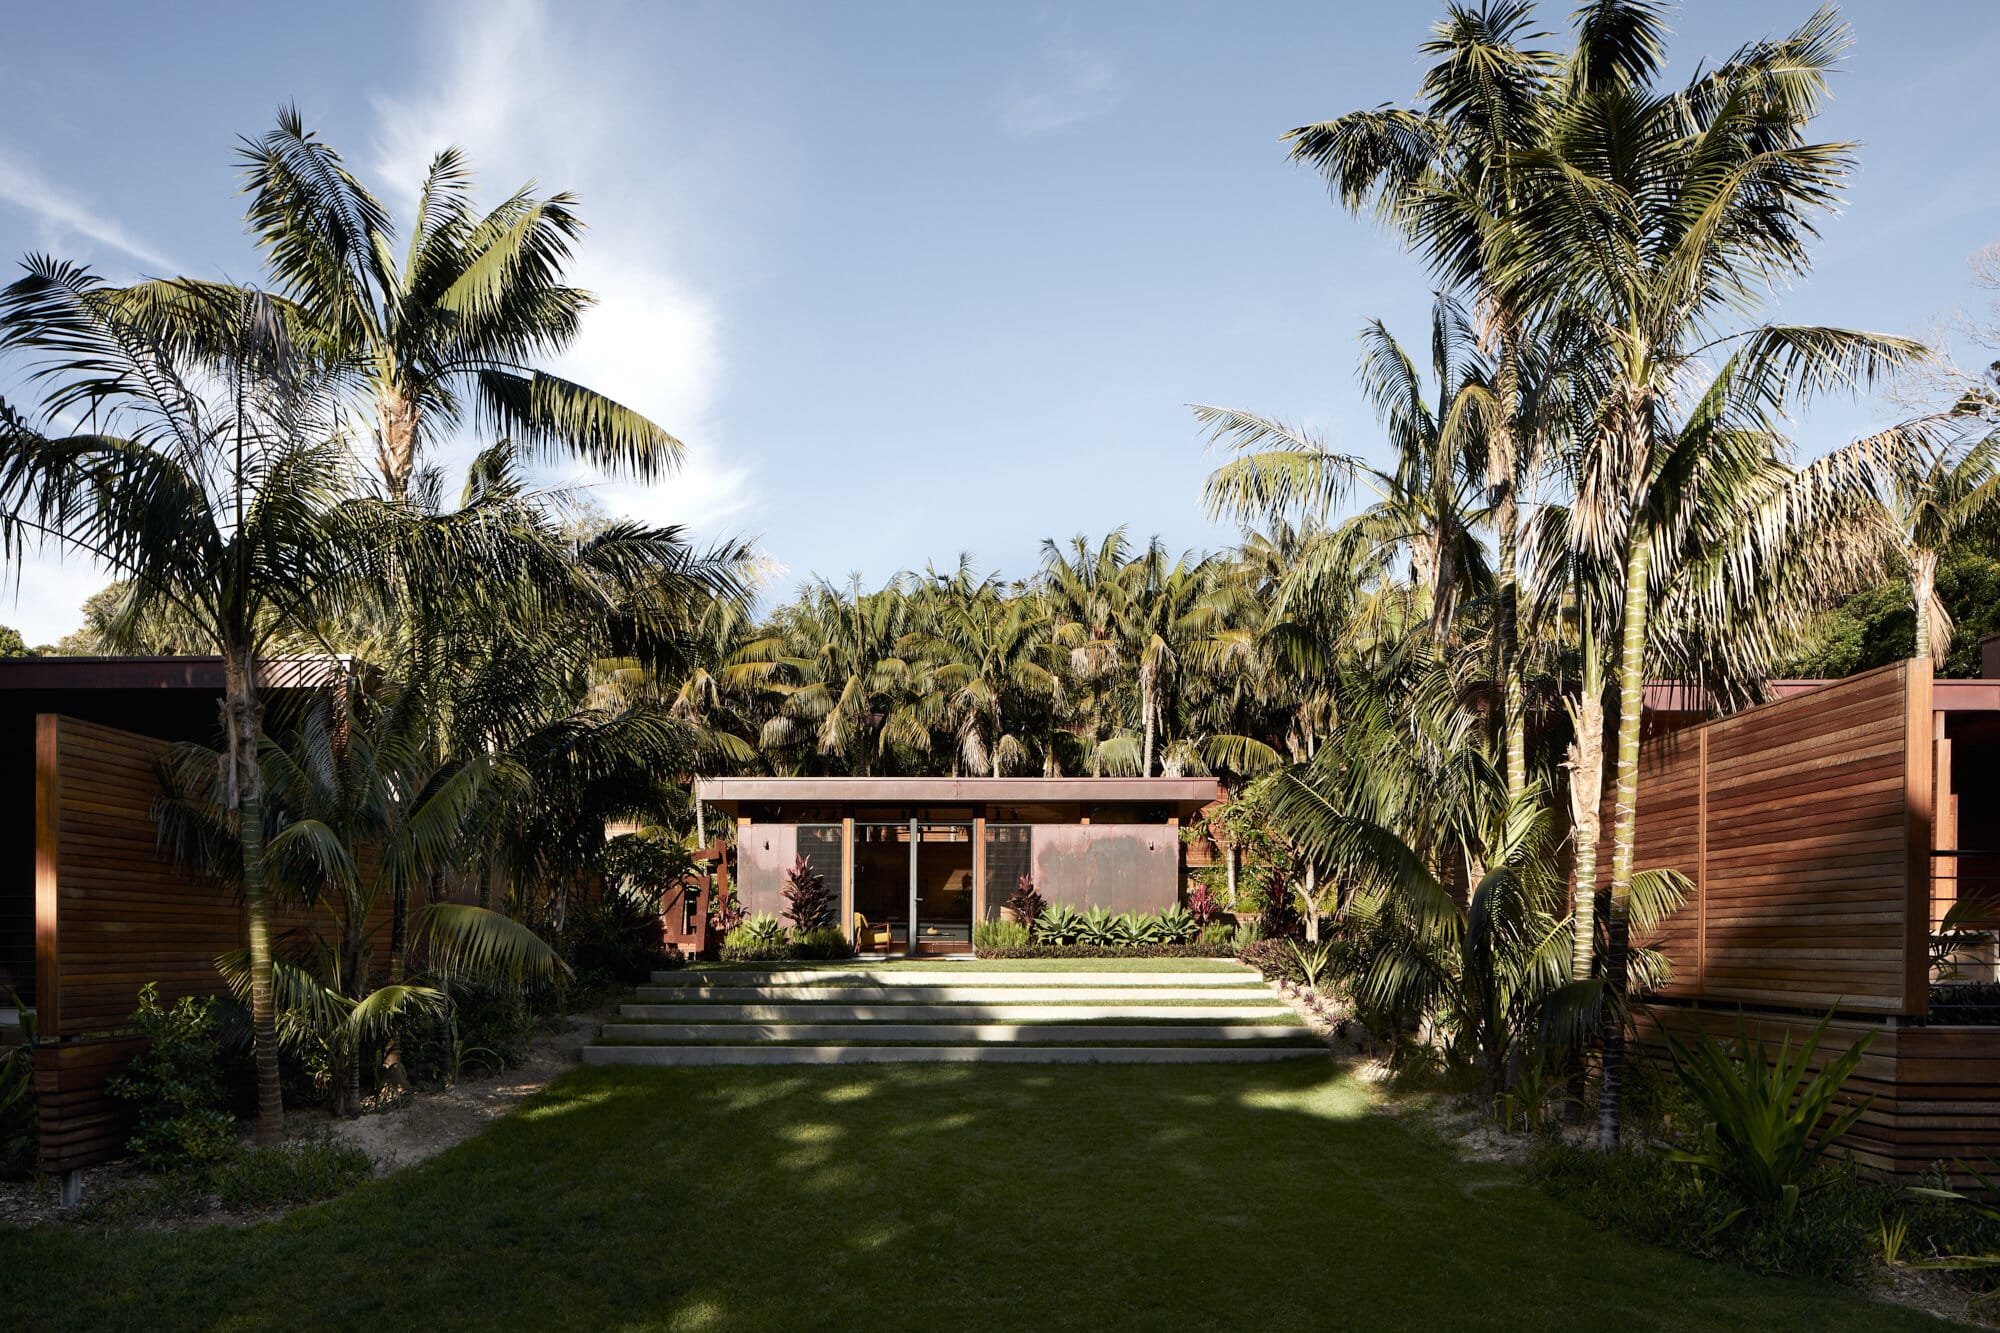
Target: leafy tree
[
  {"x": 449, "y": 320},
  {"x": 12, "y": 645}
]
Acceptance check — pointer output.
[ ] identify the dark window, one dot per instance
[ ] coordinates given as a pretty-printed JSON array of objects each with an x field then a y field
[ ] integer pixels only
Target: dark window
[{"x": 1009, "y": 855}]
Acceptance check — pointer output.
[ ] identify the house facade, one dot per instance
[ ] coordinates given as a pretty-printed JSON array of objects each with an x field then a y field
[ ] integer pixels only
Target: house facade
[{"x": 918, "y": 860}]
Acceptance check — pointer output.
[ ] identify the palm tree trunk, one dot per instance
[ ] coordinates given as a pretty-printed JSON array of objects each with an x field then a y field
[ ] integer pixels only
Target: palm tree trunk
[
  {"x": 243, "y": 790},
  {"x": 1923, "y": 589},
  {"x": 1586, "y": 795},
  {"x": 1501, "y": 468},
  {"x": 1624, "y": 824},
  {"x": 1146, "y": 707},
  {"x": 396, "y": 440}
]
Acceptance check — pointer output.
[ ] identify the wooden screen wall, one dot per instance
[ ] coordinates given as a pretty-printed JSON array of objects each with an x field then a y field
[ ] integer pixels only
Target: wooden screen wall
[
  {"x": 1805, "y": 826},
  {"x": 111, "y": 914}
]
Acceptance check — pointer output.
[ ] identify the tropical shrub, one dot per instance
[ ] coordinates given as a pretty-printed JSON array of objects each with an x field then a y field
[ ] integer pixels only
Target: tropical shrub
[
  {"x": 1025, "y": 903},
  {"x": 174, "y": 1086},
  {"x": 1060, "y": 924},
  {"x": 759, "y": 939},
  {"x": 483, "y": 1025},
  {"x": 808, "y": 906},
  {"x": 1644, "y": 1194},
  {"x": 1275, "y": 958},
  {"x": 298, "y": 1171},
  {"x": 1177, "y": 925},
  {"x": 1204, "y": 905},
  {"x": 1092, "y": 951},
  {"x": 989, "y": 936},
  {"x": 821, "y": 942},
  {"x": 1768, "y": 1121},
  {"x": 1099, "y": 929},
  {"x": 1218, "y": 935},
  {"x": 20, "y": 1129},
  {"x": 725, "y": 911}
]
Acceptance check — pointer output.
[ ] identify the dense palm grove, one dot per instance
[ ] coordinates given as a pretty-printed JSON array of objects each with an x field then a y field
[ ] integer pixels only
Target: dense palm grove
[{"x": 1418, "y": 679}]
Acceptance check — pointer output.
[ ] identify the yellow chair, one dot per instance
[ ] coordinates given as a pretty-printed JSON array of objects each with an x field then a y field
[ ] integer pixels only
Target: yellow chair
[{"x": 868, "y": 938}]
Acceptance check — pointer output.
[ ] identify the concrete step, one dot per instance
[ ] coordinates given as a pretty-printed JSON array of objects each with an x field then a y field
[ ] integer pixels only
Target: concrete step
[
  {"x": 956, "y": 1034},
  {"x": 1248, "y": 1007},
  {"x": 959, "y": 975},
  {"x": 862, "y": 993},
  {"x": 999, "y": 1053}
]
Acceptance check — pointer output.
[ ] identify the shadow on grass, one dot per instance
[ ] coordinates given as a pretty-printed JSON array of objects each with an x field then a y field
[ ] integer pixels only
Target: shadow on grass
[{"x": 928, "y": 1197}]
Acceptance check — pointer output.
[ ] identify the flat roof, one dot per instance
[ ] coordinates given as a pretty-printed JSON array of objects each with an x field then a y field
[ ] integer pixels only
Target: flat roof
[
  {"x": 192, "y": 672},
  {"x": 1186, "y": 792}
]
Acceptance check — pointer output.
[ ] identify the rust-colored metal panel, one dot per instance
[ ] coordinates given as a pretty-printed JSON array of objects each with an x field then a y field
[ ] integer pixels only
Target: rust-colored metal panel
[
  {"x": 1120, "y": 867},
  {"x": 765, "y": 853}
]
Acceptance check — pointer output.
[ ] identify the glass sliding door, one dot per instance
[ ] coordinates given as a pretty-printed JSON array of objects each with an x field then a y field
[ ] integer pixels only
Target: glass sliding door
[
  {"x": 942, "y": 910},
  {"x": 881, "y": 888}
]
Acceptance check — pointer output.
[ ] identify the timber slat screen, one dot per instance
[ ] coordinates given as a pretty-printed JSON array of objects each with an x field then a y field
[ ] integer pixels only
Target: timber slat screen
[
  {"x": 111, "y": 914},
  {"x": 1798, "y": 823}
]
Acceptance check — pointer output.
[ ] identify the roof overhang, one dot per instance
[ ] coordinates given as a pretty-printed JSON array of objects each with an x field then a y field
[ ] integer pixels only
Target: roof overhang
[
  {"x": 1186, "y": 795},
  {"x": 166, "y": 673}
]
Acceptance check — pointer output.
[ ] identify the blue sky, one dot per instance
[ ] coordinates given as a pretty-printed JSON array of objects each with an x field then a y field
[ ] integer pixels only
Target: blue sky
[{"x": 913, "y": 280}]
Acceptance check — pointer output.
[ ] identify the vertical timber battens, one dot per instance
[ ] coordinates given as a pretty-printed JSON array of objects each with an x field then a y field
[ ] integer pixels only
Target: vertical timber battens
[
  {"x": 978, "y": 865},
  {"x": 1917, "y": 798},
  {"x": 847, "y": 878},
  {"x": 48, "y": 810},
  {"x": 1701, "y": 862}
]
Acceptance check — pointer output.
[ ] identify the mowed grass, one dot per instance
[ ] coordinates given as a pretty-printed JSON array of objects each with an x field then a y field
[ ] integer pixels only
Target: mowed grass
[{"x": 921, "y": 1197}]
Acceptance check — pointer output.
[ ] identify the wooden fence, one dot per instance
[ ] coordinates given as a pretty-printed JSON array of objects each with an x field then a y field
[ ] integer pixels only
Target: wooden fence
[
  {"x": 1804, "y": 826},
  {"x": 111, "y": 914}
]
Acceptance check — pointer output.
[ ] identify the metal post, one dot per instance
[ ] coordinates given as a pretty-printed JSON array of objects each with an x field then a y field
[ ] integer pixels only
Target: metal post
[
  {"x": 913, "y": 885},
  {"x": 69, "y": 1190}
]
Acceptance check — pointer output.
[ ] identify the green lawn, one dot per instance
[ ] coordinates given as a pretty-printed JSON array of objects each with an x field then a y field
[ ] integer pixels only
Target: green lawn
[{"x": 922, "y": 1197}]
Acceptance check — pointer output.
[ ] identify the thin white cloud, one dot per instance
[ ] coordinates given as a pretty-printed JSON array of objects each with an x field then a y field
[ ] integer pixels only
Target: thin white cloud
[
  {"x": 1068, "y": 85},
  {"x": 62, "y": 214},
  {"x": 527, "y": 100}
]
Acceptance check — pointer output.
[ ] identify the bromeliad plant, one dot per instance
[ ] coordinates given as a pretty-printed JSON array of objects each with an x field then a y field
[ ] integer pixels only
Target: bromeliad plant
[{"x": 1770, "y": 1119}]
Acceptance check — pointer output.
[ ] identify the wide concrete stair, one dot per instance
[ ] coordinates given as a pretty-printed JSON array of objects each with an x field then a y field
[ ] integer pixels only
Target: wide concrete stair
[{"x": 952, "y": 1011}]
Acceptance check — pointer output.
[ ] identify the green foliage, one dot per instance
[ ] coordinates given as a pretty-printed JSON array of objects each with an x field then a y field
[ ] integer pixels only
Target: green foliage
[
  {"x": 1876, "y": 627},
  {"x": 1312, "y": 960},
  {"x": 174, "y": 1087},
  {"x": 483, "y": 1025},
  {"x": 1217, "y": 934},
  {"x": 988, "y": 936},
  {"x": 1832, "y": 1234},
  {"x": 1982, "y": 1209},
  {"x": 20, "y": 1127},
  {"x": 1176, "y": 925},
  {"x": 1768, "y": 1120},
  {"x": 759, "y": 939},
  {"x": 298, "y": 1171},
  {"x": 808, "y": 905},
  {"x": 1060, "y": 924},
  {"x": 12, "y": 644},
  {"x": 301, "y": 1170},
  {"x": 821, "y": 942},
  {"x": 1100, "y": 929}
]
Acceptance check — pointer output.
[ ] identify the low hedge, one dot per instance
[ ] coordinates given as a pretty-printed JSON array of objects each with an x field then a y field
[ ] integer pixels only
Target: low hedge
[{"x": 1100, "y": 951}]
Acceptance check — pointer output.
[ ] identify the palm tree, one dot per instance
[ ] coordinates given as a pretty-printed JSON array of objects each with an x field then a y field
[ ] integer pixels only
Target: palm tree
[
  {"x": 1930, "y": 497},
  {"x": 1656, "y": 216},
  {"x": 370, "y": 781},
  {"x": 455, "y": 324},
  {"x": 1424, "y": 503},
  {"x": 983, "y": 652},
  {"x": 228, "y": 498}
]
